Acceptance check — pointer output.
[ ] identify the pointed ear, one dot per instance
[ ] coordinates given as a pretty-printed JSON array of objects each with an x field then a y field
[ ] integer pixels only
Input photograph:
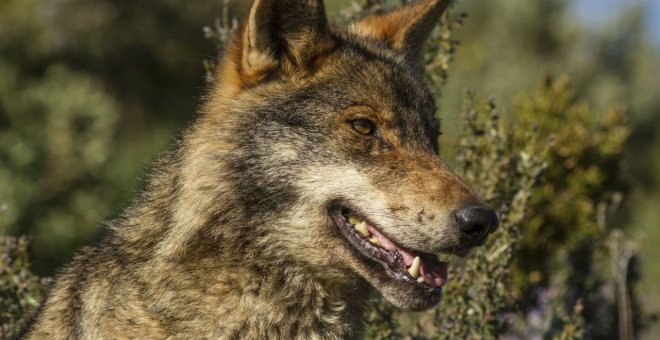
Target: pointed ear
[
  {"x": 404, "y": 29},
  {"x": 278, "y": 34}
]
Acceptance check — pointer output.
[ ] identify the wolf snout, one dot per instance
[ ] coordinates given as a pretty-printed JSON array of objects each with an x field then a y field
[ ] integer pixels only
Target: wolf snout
[{"x": 475, "y": 222}]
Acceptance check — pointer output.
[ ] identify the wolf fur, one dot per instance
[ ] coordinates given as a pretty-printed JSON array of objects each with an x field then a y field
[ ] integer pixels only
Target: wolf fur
[{"x": 232, "y": 237}]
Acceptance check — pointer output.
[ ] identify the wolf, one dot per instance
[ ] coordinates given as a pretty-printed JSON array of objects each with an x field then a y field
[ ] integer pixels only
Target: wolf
[{"x": 309, "y": 182}]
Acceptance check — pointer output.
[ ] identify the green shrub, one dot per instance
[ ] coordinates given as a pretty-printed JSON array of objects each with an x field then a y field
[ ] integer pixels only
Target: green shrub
[
  {"x": 20, "y": 290},
  {"x": 565, "y": 243}
]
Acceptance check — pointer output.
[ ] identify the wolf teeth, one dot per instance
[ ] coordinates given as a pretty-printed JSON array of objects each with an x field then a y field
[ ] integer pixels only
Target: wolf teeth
[
  {"x": 420, "y": 279},
  {"x": 375, "y": 241},
  {"x": 352, "y": 219},
  {"x": 362, "y": 228},
  {"x": 414, "y": 267}
]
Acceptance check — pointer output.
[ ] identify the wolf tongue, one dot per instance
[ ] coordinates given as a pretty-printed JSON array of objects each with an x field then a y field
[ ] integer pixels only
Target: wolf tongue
[
  {"x": 435, "y": 274},
  {"x": 408, "y": 257},
  {"x": 433, "y": 271}
]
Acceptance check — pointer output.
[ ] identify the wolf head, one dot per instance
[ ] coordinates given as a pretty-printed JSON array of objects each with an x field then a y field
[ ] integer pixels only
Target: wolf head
[{"x": 322, "y": 143}]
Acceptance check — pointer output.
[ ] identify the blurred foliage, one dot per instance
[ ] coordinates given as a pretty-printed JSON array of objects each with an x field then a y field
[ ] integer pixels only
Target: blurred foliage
[
  {"x": 564, "y": 243},
  {"x": 505, "y": 46},
  {"x": 89, "y": 90},
  {"x": 82, "y": 108},
  {"x": 58, "y": 133}
]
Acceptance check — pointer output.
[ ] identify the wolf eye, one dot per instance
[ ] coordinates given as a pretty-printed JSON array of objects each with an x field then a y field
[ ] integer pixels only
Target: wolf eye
[{"x": 364, "y": 126}]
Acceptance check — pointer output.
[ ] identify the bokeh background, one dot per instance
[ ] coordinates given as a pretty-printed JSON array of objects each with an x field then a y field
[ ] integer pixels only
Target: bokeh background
[{"x": 92, "y": 90}]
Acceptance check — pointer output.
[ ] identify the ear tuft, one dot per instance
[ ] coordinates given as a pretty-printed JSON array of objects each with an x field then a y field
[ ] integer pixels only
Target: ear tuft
[
  {"x": 277, "y": 35},
  {"x": 404, "y": 29}
]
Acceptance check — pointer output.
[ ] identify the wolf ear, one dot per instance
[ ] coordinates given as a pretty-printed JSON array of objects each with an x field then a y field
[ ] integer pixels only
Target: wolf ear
[
  {"x": 278, "y": 34},
  {"x": 404, "y": 29}
]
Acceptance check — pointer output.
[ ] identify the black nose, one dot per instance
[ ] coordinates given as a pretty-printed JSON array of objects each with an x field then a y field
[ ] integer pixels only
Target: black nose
[{"x": 475, "y": 222}]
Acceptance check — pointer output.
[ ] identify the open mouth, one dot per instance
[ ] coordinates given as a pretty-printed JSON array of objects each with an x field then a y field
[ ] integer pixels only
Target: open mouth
[{"x": 420, "y": 269}]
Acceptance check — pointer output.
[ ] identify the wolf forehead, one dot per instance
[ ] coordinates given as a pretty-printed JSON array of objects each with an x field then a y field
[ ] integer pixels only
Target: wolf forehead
[{"x": 362, "y": 73}]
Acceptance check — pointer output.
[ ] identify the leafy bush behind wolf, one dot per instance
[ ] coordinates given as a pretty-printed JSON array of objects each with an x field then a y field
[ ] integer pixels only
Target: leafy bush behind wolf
[{"x": 553, "y": 267}]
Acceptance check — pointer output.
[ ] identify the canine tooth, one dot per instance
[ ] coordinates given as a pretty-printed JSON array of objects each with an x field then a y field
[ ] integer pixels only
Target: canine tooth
[
  {"x": 375, "y": 241},
  {"x": 420, "y": 279},
  {"x": 362, "y": 228},
  {"x": 352, "y": 219},
  {"x": 414, "y": 267}
]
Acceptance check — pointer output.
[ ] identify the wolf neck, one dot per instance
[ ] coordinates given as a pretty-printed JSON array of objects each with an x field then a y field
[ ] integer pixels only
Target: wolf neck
[
  {"x": 240, "y": 301},
  {"x": 225, "y": 280}
]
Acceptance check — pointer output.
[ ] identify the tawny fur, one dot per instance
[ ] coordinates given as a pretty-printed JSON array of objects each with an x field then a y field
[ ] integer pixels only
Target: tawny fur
[{"x": 231, "y": 237}]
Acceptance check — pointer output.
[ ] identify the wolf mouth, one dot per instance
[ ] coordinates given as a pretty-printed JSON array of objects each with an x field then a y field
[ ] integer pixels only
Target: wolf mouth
[{"x": 417, "y": 268}]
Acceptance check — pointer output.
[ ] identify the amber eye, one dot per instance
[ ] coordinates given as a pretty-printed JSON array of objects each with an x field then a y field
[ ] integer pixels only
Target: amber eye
[{"x": 364, "y": 126}]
